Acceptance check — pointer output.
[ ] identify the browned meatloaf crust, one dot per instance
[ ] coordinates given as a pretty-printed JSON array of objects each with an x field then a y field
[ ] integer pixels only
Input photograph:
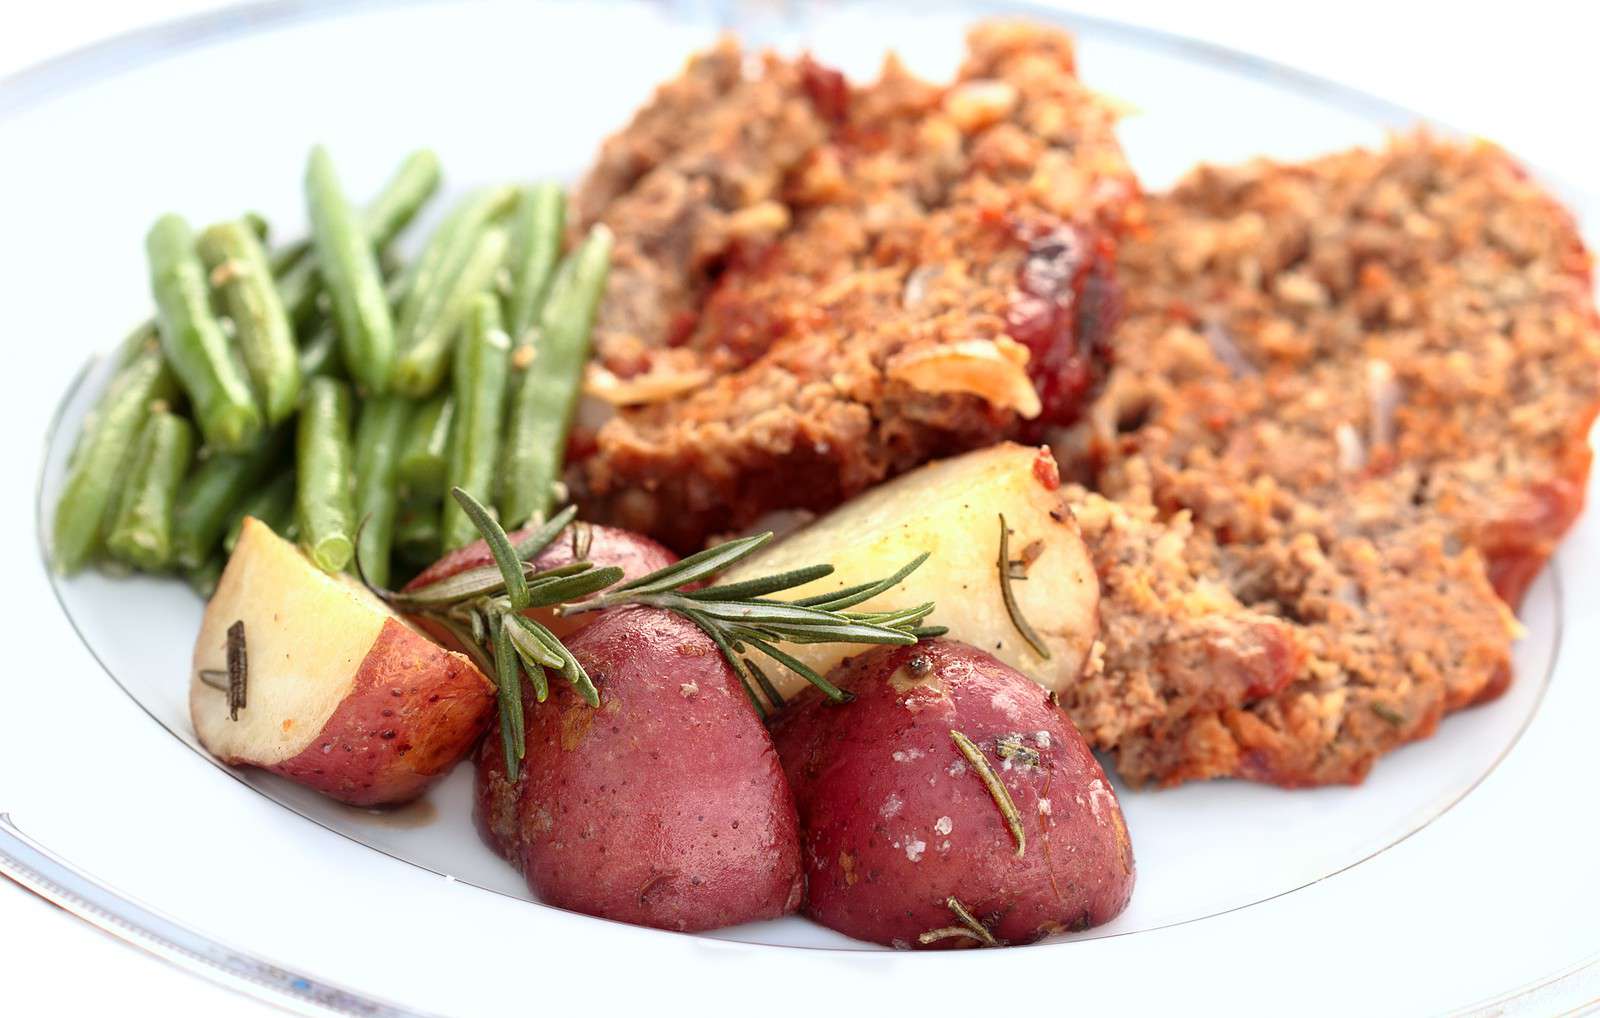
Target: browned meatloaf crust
[
  {"x": 1361, "y": 388},
  {"x": 933, "y": 276}
]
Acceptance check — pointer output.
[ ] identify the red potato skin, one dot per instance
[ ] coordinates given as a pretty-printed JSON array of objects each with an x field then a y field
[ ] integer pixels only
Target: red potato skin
[
  {"x": 395, "y": 734},
  {"x": 665, "y": 806},
  {"x": 895, "y": 821}
]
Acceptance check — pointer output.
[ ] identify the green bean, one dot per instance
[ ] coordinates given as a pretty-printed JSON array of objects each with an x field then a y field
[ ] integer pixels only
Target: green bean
[
  {"x": 300, "y": 288},
  {"x": 109, "y": 433},
  {"x": 402, "y": 197},
  {"x": 194, "y": 342},
  {"x": 434, "y": 329},
  {"x": 450, "y": 245},
  {"x": 213, "y": 491},
  {"x": 481, "y": 364},
  {"x": 416, "y": 532},
  {"x": 320, "y": 354},
  {"x": 241, "y": 278},
  {"x": 298, "y": 283},
  {"x": 142, "y": 532},
  {"x": 425, "y": 458},
  {"x": 349, "y": 270},
  {"x": 378, "y": 438},
  {"x": 536, "y": 229},
  {"x": 390, "y": 212},
  {"x": 288, "y": 257},
  {"x": 272, "y": 505},
  {"x": 204, "y": 577},
  {"x": 259, "y": 227},
  {"x": 544, "y": 397},
  {"x": 145, "y": 336},
  {"x": 324, "y": 502}
]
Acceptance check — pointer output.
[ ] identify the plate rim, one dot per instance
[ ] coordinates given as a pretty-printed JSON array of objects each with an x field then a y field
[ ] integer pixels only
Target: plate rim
[{"x": 37, "y": 85}]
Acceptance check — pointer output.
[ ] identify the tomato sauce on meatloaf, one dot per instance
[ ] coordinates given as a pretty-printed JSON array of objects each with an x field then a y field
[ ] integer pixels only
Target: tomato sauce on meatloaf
[
  {"x": 1345, "y": 425},
  {"x": 1353, "y": 395},
  {"x": 820, "y": 286}
]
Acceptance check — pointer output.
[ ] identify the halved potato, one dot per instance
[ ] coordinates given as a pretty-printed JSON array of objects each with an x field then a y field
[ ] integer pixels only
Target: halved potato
[
  {"x": 952, "y": 510},
  {"x": 341, "y": 695}
]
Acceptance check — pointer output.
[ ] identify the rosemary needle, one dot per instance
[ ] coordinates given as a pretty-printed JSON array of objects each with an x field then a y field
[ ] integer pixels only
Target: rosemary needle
[
  {"x": 970, "y": 927},
  {"x": 1010, "y": 596},
  {"x": 997, "y": 788},
  {"x": 482, "y": 609}
]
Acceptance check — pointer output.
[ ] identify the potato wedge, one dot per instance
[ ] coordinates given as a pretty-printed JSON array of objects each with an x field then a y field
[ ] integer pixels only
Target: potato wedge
[
  {"x": 342, "y": 696},
  {"x": 952, "y": 510}
]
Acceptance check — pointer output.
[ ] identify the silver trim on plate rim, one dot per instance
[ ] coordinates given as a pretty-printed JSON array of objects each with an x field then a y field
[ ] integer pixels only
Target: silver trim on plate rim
[{"x": 35, "y": 86}]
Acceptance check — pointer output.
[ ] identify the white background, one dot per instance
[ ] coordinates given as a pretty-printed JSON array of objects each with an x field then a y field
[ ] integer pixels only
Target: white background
[{"x": 1523, "y": 75}]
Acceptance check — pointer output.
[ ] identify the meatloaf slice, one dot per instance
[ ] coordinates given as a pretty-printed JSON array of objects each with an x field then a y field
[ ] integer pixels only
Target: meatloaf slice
[
  {"x": 1367, "y": 381},
  {"x": 1391, "y": 615},
  {"x": 1175, "y": 640},
  {"x": 944, "y": 280},
  {"x": 1427, "y": 308},
  {"x": 696, "y": 176}
]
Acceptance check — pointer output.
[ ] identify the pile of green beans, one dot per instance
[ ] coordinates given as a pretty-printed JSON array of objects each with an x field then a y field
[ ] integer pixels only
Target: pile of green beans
[{"x": 334, "y": 391}]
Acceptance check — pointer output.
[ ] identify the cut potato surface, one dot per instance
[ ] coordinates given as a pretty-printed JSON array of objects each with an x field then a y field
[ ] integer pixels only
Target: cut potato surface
[
  {"x": 341, "y": 695},
  {"x": 951, "y": 510}
]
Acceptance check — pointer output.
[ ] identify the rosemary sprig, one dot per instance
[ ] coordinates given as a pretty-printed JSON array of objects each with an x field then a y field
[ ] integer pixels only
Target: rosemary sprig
[
  {"x": 238, "y": 670},
  {"x": 1010, "y": 597},
  {"x": 996, "y": 787},
  {"x": 741, "y": 615},
  {"x": 482, "y": 608},
  {"x": 970, "y": 927},
  {"x": 1011, "y": 747}
]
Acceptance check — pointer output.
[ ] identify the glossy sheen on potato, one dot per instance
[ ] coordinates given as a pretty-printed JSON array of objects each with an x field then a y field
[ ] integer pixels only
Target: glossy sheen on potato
[
  {"x": 951, "y": 509},
  {"x": 341, "y": 695},
  {"x": 635, "y": 554},
  {"x": 665, "y": 806},
  {"x": 895, "y": 820}
]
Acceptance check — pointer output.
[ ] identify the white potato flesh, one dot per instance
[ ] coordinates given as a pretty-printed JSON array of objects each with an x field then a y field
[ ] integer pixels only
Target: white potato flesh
[
  {"x": 299, "y": 673},
  {"x": 951, "y": 509}
]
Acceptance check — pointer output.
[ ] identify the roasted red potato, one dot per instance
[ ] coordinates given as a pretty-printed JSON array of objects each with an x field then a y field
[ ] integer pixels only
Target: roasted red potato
[
  {"x": 340, "y": 694},
  {"x": 665, "y": 806},
  {"x": 635, "y": 554},
  {"x": 915, "y": 840}
]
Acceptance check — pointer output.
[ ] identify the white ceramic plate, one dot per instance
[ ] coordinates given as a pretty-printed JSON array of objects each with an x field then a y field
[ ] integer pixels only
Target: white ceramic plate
[{"x": 1389, "y": 893}]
